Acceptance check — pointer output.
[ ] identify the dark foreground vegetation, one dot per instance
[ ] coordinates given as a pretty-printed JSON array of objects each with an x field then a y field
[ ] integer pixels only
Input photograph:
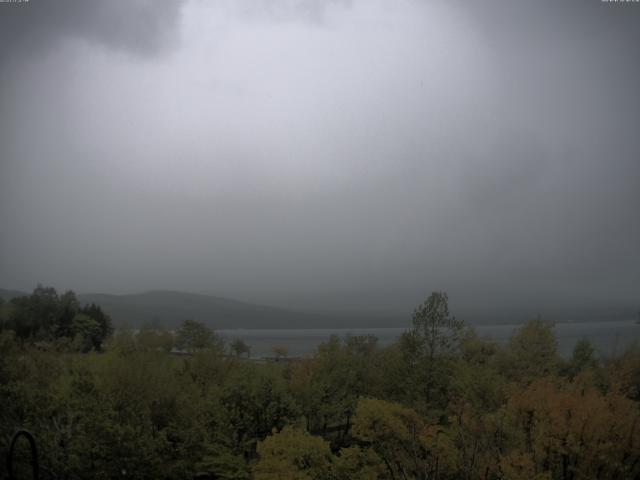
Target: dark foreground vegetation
[{"x": 440, "y": 403}]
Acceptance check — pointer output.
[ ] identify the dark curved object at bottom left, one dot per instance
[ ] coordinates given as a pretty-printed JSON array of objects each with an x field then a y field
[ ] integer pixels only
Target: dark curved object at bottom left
[{"x": 34, "y": 453}]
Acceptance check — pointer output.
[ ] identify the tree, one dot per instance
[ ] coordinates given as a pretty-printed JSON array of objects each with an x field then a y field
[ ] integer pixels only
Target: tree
[
  {"x": 532, "y": 352},
  {"x": 438, "y": 331},
  {"x": 572, "y": 431},
  {"x": 45, "y": 316},
  {"x": 104, "y": 322},
  {"x": 35, "y": 316},
  {"x": 154, "y": 339},
  {"x": 68, "y": 308},
  {"x": 327, "y": 387},
  {"x": 625, "y": 372},
  {"x": 86, "y": 332},
  {"x": 4, "y": 314},
  {"x": 477, "y": 382},
  {"x": 427, "y": 353},
  {"x": 361, "y": 344},
  {"x": 123, "y": 340},
  {"x": 583, "y": 358},
  {"x": 281, "y": 351},
  {"x": 409, "y": 446},
  {"x": 239, "y": 347},
  {"x": 295, "y": 455},
  {"x": 194, "y": 336},
  {"x": 256, "y": 401}
]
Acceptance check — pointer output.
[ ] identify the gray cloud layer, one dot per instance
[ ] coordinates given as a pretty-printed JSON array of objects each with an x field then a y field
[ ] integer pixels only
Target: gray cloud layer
[
  {"x": 340, "y": 155},
  {"x": 144, "y": 27}
]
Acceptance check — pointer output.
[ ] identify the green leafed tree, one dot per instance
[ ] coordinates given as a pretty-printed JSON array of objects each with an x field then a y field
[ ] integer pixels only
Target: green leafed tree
[
  {"x": 45, "y": 316},
  {"x": 104, "y": 321},
  {"x": 35, "y": 316},
  {"x": 239, "y": 347},
  {"x": 532, "y": 352},
  {"x": 408, "y": 446},
  {"x": 426, "y": 356},
  {"x": 295, "y": 455},
  {"x": 584, "y": 357},
  {"x": 438, "y": 331},
  {"x": 153, "y": 339},
  {"x": 194, "y": 336},
  {"x": 86, "y": 332}
]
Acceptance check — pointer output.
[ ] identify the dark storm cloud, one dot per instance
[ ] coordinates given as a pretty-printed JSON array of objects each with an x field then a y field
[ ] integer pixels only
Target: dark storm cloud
[
  {"x": 561, "y": 195},
  {"x": 340, "y": 155},
  {"x": 143, "y": 27}
]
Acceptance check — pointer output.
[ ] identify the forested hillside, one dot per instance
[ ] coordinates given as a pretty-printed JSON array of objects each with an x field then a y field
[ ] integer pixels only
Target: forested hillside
[
  {"x": 440, "y": 403},
  {"x": 169, "y": 308}
]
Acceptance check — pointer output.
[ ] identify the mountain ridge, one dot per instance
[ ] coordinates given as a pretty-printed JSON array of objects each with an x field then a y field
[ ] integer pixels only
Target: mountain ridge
[{"x": 170, "y": 307}]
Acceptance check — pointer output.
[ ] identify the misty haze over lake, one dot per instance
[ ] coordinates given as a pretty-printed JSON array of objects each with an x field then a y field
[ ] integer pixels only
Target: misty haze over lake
[
  {"x": 609, "y": 338},
  {"x": 338, "y": 156}
]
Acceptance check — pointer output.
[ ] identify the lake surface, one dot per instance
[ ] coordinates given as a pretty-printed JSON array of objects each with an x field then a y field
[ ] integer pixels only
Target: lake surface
[{"x": 609, "y": 338}]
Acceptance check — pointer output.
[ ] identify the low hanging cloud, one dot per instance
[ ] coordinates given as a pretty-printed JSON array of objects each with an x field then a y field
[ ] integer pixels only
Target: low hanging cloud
[
  {"x": 325, "y": 155},
  {"x": 142, "y": 27}
]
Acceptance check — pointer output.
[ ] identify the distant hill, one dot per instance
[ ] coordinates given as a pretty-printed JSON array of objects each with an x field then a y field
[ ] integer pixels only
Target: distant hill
[
  {"x": 169, "y": 308},
  {"x": 7, "y": 295}
]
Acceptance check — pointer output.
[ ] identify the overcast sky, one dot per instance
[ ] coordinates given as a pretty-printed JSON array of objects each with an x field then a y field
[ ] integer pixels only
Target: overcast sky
[{"x": 341, "y": 155}]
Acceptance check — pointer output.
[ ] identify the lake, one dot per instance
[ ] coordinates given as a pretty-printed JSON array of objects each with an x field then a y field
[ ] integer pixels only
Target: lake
[{"x": 609, "y": 338}]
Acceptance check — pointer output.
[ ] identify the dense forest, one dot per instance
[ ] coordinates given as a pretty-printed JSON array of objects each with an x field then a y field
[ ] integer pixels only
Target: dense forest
[{"x": 440, "y": 403}]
